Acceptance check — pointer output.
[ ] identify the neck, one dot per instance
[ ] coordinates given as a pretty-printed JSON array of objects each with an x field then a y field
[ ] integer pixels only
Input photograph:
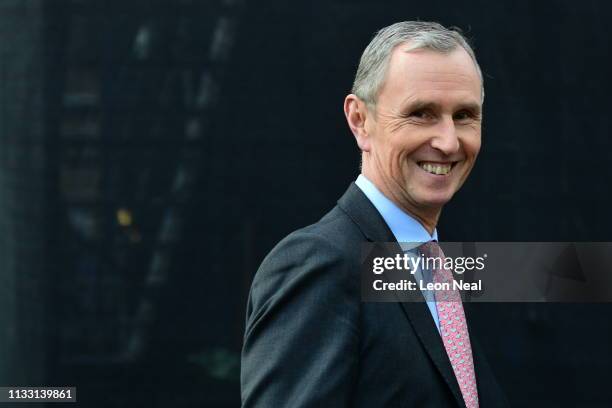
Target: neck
[
  {"x": 427, "y": 216},
  {"x": 428, "y": 222}
]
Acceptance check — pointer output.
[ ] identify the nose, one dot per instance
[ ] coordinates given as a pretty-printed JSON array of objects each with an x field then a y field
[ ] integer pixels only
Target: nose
[{"x": 445, "y": 137}]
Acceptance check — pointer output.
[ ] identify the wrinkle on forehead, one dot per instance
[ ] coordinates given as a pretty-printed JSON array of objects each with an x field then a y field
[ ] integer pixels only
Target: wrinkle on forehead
[{"x": 427, "y": 74}]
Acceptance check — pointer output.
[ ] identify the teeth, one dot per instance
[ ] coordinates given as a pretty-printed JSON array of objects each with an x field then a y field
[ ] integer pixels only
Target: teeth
[{"x": 440, "y": 169}]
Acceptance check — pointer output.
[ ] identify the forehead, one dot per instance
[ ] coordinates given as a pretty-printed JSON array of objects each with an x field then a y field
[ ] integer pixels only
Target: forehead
[{"x": 426, "y": 74}]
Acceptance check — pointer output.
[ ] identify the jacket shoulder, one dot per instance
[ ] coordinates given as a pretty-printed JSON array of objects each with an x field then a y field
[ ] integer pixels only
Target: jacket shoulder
[
  {"x": 327, "y": 250},
  {"x": 303, "y": 319}
]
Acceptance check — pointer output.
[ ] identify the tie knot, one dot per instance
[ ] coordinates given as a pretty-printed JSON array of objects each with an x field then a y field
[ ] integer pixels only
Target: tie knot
[{"x": 431, "y": 249}]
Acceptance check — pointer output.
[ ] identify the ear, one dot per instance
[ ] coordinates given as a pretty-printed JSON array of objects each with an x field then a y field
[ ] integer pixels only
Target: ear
[{"x": 357, "y": 116}]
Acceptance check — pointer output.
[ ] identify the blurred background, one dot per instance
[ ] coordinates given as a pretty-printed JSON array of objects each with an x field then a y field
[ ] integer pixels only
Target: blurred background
[{"x": 153, "y": 152}]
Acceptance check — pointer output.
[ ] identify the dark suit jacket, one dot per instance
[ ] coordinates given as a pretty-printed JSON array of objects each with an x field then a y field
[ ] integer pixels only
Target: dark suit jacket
[{"x": 311, "y": 342}]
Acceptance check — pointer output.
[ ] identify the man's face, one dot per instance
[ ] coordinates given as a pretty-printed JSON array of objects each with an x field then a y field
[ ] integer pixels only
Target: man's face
[{"x": 425, "y": 135}]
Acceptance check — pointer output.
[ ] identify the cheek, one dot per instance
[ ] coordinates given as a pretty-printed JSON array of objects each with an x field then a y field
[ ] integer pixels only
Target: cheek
[
  {"x": 473, "y": 150},
  {"x": 401, "y": 156},
  {"x": 471, "y": 144},
  {"x": 396, "y": 149},
  {"x": 406, "y": 144}
]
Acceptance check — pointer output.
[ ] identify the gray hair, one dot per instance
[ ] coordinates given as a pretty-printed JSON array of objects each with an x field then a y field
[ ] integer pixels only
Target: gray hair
[{"x": 374, "y": 61}]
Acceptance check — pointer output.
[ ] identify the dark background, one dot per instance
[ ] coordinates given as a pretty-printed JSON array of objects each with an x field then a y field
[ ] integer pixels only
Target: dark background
[{"x": 152, "y": 153}]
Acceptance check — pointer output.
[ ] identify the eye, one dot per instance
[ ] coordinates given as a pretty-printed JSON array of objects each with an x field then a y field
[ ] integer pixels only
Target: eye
[
  {"x": 465, "y": 116},
  {"x": 420, "y": 114}
]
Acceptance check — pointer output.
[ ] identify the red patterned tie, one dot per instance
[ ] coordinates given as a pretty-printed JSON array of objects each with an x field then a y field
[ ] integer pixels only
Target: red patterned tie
[{"x": 453, "y": 328}]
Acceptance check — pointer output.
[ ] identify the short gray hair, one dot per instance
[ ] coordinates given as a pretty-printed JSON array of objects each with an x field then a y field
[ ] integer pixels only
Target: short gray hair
[{"x": 374, "y": 61}]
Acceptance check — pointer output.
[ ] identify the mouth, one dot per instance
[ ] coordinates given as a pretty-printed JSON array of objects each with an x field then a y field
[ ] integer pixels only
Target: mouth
[{"x": 437, "y": 168}]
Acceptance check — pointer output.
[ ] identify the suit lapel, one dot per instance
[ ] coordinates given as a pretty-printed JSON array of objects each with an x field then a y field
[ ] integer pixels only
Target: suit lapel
[
  {"x": 363, "y": 213},
  {"x": 419, "y": 315}
]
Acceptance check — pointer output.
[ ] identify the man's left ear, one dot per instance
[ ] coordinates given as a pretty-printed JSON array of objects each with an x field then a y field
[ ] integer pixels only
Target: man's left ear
[{"x": 356, "y": 113}]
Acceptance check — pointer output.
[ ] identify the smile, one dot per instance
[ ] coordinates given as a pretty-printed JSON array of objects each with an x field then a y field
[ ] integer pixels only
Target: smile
[{"x": 440, "y": 169}]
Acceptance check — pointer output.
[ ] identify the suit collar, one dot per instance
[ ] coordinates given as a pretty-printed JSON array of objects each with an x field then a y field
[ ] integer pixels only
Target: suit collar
[
  {"x": 363, "y": 213},
  {"x": 404, "y": 226}
]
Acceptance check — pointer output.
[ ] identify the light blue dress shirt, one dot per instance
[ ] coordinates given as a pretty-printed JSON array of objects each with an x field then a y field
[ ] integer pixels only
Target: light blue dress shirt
[{"x": 405, "y": 229}]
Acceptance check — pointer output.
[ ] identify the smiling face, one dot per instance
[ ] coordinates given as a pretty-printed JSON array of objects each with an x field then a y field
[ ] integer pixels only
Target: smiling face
[{"x": 421, "y": 142}]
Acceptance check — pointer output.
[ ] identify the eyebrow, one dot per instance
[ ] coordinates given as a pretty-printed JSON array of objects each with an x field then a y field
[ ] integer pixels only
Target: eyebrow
[{"x": 421, "y": 104}]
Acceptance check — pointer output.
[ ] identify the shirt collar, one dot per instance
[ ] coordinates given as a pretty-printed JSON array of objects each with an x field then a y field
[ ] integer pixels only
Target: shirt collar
[{"x": 404, "y": 227}]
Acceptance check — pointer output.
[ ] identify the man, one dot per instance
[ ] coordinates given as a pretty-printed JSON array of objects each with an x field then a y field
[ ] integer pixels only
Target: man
[{"x": 415, "y": 112}]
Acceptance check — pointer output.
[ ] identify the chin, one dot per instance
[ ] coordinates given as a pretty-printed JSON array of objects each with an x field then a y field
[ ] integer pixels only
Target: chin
[{"x": 435, "y": 200}]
